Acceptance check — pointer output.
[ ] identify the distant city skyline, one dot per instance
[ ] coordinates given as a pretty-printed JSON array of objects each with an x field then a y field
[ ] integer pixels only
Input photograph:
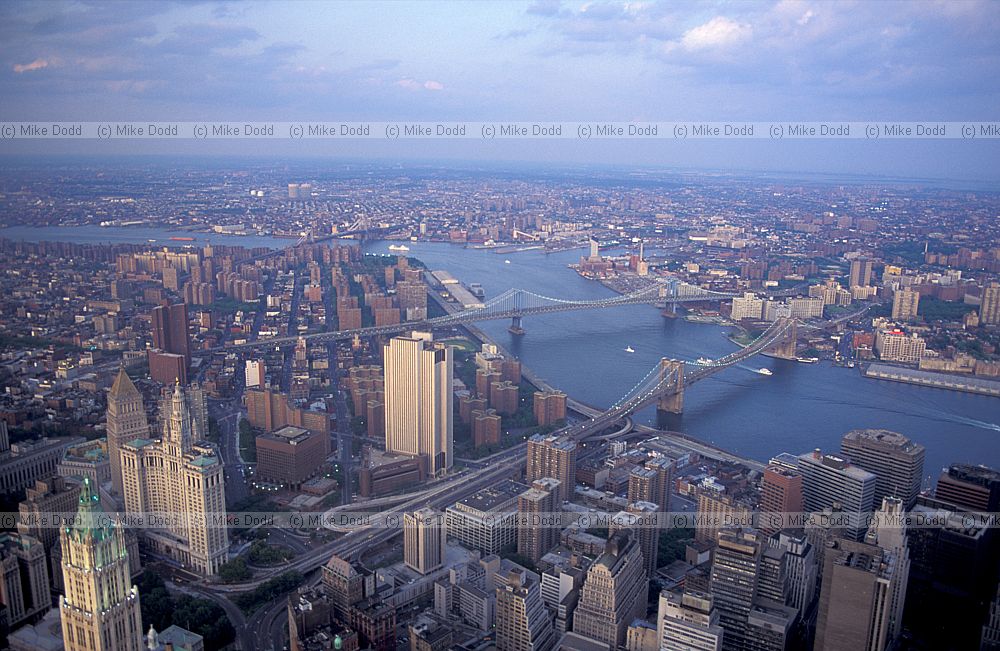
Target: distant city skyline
[{"x": 517, "y": 61}]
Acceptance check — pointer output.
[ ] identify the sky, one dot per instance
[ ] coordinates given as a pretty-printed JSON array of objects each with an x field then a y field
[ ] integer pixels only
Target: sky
[{"x": 523, "y": 61}]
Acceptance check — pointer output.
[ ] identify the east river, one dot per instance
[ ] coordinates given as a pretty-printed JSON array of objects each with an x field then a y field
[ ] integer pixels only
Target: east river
[{"x": 798, "y": 408}]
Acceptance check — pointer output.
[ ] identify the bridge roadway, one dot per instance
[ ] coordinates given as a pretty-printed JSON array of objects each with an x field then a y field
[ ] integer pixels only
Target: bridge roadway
[{"x": 497, "y": 311}]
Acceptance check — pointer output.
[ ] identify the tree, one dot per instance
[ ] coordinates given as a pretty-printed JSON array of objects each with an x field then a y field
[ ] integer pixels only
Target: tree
[{"x": 234, "y": 571}]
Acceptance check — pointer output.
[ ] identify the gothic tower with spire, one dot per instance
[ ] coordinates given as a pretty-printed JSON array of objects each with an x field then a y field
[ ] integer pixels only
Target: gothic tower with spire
[{"x": 100, "y": 610}]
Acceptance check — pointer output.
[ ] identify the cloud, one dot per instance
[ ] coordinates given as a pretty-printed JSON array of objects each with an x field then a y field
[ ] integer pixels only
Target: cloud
[
  {"x": 37, "y": 64},
  {"x": 720, "y": 32},
  {"x": 412, "y": 84}
]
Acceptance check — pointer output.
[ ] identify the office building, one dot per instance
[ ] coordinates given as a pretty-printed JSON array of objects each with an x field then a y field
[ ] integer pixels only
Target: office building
[
  {"x": 522, "y": 622},
  {"x": 889, "y": 532},
  {"x": 896, "y": 461},
  {"x": 487, "y": 520},
  {"x": 974, "y": 488},
  {"x": 614, "y": 592},
  {"x": 126, "y": 421},
  {"x": 855, "y": 603},
  {"x": 167, "y": 368},
  {"x": 561, "y": 587},
  {"x": 423, "y": 540},
  {"x": 747, "y": 307},
  {"x": 254, "y": 374},
  {"x": 24, "y": 579},
  {"x": 291, "y": 455},
  {"x": 780, "y": 494},
  {"x": 989, "y": 309},
  {"x": 23, "y": 463},
  {"x": 269, "y": 410},
  {"x": 905, "y": 303},
  {"x": 861, "y": 272},
  {"x": 553, "y": 456},
  {"x": 100, "y": 609},
  {"x": 549, "y": 407},
  {"x": 829, "y": 480},
  {"x": 801, "y": 569},
  {"x": 428, "y": 632},
  {"x": 664, "y": 467},
  {"x": 686, "y": 621},
  {"x": 176, "y": 474},
  {"x": 733, "y": 583},
  {"x": 769, "y": 626},
  {"x": 716, "y": 511},
  {"x": 170, "y": 330},
  {"x": 381, "y": 473},
  {"x": 418, "y": 400},
  {"x": 48, "y": 496},
  {"x": 641, "y": 518},
  {"x": 538, "y": 525},
  {"x": 347, "y": 584}
]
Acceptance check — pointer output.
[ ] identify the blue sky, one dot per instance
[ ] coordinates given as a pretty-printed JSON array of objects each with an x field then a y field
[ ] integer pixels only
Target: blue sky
[{"x": 523, "y": 61}]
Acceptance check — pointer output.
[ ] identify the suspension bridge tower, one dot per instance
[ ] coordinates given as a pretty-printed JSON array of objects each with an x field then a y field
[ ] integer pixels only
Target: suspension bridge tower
[
  {"x": 785, "y": 347},
  {"x": 671, "y": 377}
]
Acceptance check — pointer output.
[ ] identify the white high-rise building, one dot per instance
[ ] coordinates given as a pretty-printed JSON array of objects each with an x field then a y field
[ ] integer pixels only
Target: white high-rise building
[
  {"x": 686, "y": 621},
  {"x": 183, "y": 479},
  {"x": 419, "y": 399},
  {"x": 747, "y": 307},
  {"x": 254, "y": 373},
  {"x": 423, "y": 540}
]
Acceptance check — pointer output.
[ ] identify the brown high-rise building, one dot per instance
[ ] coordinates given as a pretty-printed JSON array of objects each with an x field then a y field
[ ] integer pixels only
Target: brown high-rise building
[
  {"x": 855, "y": 603},
  {"x": 861, "y": 272},
  {"x": 553, "y": 456},
  {"x": 48, "y": 496},
  {"x": 780, "y": 494},
  {"x": 504, "y": 397},
  {"x": 167, "y": 368},
  {"x": 485, "y": 427},
  {"x": 24, "y": 579},
  {"x": 536, "y": 532},
  {"x": 896, "y": 461},
  {"x": 641, "y": 518},
  {"x": 549, "y": 407},
  {"x": 642, "y": 485},
  {"x": 170, "y": 330},
  {"x": 717, "y": 508},
  {"x": 976, "y": 488}
]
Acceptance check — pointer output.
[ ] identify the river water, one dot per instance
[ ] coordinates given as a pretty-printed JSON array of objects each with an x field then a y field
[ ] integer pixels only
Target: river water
[{"x": 798, "y": 408}]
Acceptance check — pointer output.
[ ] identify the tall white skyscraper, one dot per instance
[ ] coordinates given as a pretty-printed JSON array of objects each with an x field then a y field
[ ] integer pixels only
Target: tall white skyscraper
[
  {"x": 418, "y": 399},
  {"x": 178, "y": 475}
]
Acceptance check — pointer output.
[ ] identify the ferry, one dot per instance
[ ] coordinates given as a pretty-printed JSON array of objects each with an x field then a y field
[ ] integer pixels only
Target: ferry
[
  {"x": 629, "y": 349},
  {"x": 765, "y": 371},
  {"x": 807, "y": 360},
  {"x": 398, "y": 247},
  {"x": 506, "y": 261}
]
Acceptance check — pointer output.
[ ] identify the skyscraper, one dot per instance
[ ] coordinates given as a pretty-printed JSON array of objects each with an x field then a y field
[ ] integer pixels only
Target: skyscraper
[
  {"x": 989, "y": 309},
  {"x": 126, "y": 421},
  {"x": 537, "y": 533},
  {"x": 553, "y": 456},
  {"x": 855, "y": 604},
  {"x": 522, "y": 622},
  {"x": 24, "y": 580},
  {"x": 178, "y": 475},
  {"x": 614, "y": 592},
  {"x": 170, "y": 330},
  {"x": 780, "y": 493},
  {"x": 735, "y": 564},
  {"x": 829, "y": 480},
  {"x": 889, "y": 533},
  {"x": 100, "y": 609},
  {"x": 861, "y": 272},
  {"x": 905, "y": 303},
  {"x": 418, "y": 400},
  {"x": 641, "y": 518},
  {"x": 896, "y": 461},
  {"x": 423, "y": 540}
]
